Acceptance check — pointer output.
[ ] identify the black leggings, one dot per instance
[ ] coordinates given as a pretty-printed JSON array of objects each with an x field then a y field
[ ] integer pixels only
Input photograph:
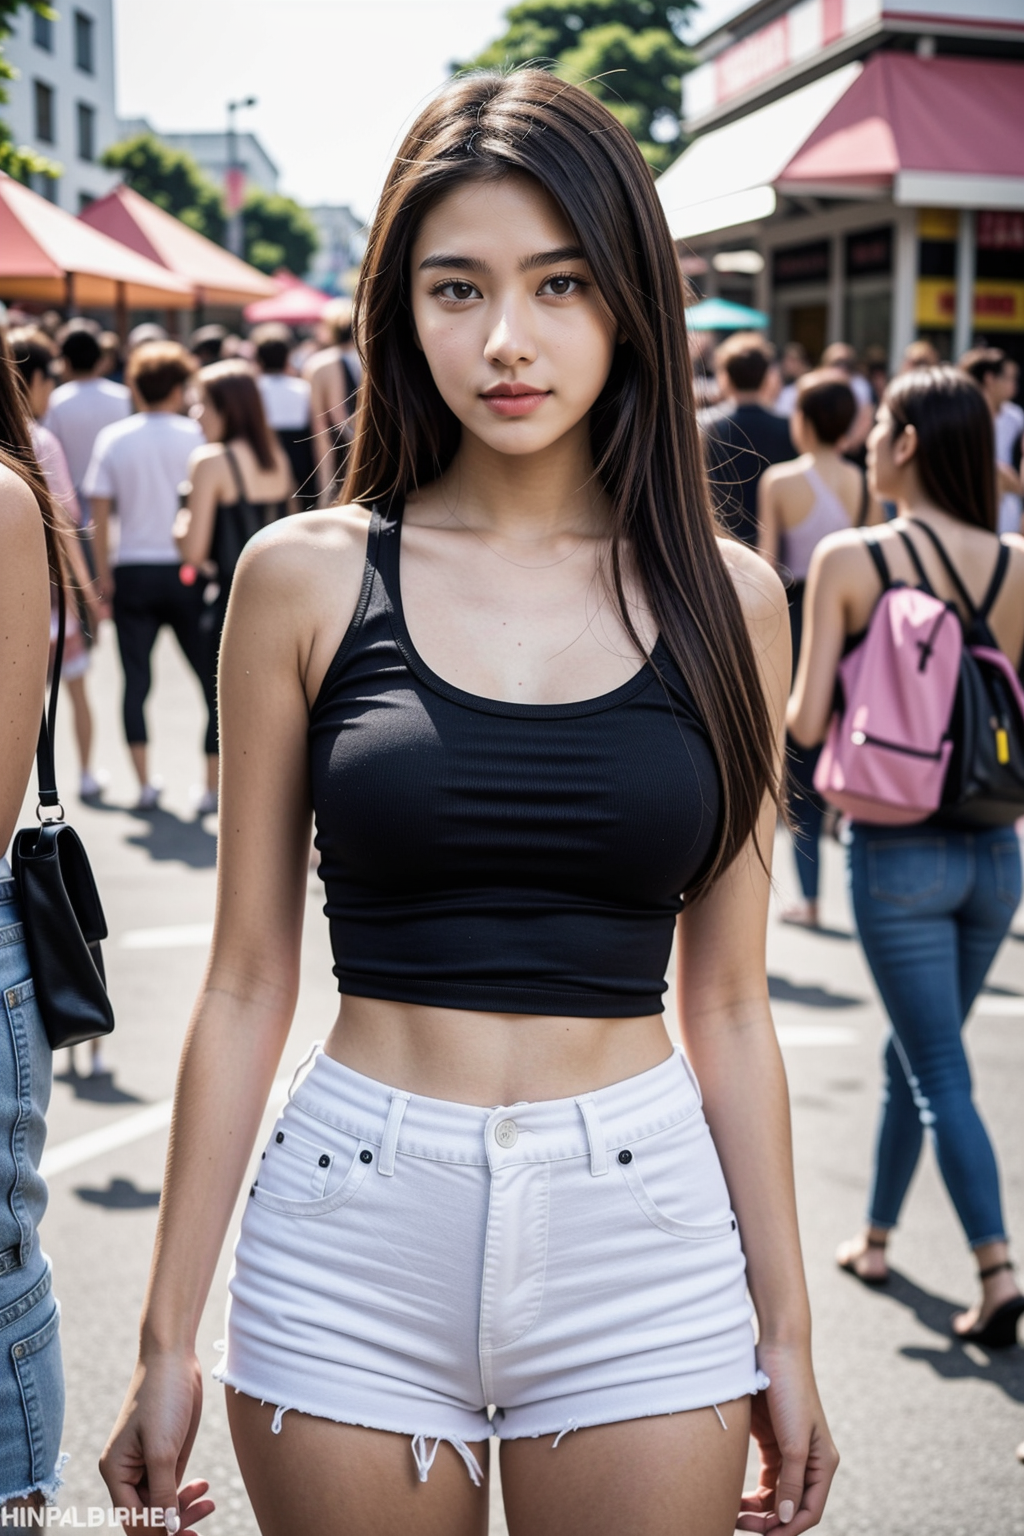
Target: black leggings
[{"x": 145, "y": 598}]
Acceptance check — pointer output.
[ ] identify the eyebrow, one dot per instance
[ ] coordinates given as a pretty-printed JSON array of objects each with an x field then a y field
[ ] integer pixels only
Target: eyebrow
[{"x": 527, "y": 264}]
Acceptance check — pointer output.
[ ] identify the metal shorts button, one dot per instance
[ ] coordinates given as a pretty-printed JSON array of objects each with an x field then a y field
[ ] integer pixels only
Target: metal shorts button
[{"x": 506, "y": 1133}]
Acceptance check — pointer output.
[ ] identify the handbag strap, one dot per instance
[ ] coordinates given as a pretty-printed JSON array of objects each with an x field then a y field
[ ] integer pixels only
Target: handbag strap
[{"x": 46, "y": 772}]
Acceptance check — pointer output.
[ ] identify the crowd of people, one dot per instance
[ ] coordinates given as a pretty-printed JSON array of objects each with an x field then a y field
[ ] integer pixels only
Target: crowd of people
[{"x": 543, "y": 718}]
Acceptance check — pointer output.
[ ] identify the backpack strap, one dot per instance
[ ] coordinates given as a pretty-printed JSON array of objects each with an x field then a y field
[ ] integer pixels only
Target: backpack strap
[
  {"x": 915, "y": 560},
  {"x": 965, "y": 597},
  {"x": 878, "y": 560},
  {"x": 994, "y": 585}
]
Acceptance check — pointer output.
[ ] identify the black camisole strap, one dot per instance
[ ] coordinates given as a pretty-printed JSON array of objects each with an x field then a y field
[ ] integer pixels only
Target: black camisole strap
[{"x": 236, "y": 473}]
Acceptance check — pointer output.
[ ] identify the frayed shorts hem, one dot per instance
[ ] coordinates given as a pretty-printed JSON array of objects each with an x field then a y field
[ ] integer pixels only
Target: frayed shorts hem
[{"x": 49, "y": 1487}]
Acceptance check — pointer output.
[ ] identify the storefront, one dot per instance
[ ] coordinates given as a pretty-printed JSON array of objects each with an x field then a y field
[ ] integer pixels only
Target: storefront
[{"x": 863, "y": 184}]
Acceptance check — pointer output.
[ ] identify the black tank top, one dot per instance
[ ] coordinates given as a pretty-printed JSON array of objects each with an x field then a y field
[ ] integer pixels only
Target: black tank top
[{"x": 511, "y": 858}]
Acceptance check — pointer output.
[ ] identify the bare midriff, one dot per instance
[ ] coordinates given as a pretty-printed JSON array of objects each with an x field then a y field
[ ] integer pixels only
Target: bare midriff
[{"x": 491, "y": 1058}]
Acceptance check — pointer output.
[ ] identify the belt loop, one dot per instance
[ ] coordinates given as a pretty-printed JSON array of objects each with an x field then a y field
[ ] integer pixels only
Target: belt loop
[
  {"x": 316, "y": 1046},
  {"x": 392, "y": 1126},
  {"x": 595, "y": 1137},
  {"x": 690, "y": 1074}
]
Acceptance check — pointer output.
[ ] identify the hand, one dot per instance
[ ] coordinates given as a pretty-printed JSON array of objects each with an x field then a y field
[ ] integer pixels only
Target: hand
[
  {"x": 798, "y": 1458},
  {"x": 148, "y": 1451}
]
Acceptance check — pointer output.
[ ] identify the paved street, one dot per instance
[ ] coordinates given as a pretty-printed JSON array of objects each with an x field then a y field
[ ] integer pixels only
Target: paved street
[{"x": 927, "y": 1429}]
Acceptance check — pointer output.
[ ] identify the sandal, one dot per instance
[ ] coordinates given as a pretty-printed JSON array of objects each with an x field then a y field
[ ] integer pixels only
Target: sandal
[
  {"x": 1000, "y": 1330},
  {"x": 850, "y": 1264}
]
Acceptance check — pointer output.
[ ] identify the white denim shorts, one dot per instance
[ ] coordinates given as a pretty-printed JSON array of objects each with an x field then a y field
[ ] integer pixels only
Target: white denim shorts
[{"x": 449, "y": 1272}]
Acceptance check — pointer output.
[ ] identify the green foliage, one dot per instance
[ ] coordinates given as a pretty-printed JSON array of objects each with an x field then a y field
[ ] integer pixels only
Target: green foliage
[
  {"x": 627, "y": 52},
  {"x": 278, "y": 232},
  {"x": 19, "y": 161},
  {"x": 171, "y": 179}
]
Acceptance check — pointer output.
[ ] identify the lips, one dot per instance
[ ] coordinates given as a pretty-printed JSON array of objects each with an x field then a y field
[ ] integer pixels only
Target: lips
[{"x": 514, "y": 399}]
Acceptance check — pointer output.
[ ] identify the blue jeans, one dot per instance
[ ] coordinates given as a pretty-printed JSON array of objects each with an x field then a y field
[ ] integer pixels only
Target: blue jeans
[
  {"x": 932, "y": 907},
  {"x": 31, "y": 1371}
]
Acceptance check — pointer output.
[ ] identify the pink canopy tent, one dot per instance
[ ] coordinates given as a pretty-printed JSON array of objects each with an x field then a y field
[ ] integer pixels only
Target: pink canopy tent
[
  {"x": 295, "y": 303},
  {"x": 50, "y": 257},
  {"x": 213, "y": 274}
]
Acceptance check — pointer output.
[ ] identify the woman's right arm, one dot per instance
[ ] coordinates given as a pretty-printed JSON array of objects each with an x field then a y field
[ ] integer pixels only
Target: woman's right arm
[
  {"x": 768, "y": 531},
  {"x": 193, "y": 526},
  {"x": 245, "y": 1005},
  {"x": 24, "y": 641}
]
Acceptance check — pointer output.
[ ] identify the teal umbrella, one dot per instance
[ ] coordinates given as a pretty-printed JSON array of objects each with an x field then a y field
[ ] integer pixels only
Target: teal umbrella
[{"x": 724, "y": 315}]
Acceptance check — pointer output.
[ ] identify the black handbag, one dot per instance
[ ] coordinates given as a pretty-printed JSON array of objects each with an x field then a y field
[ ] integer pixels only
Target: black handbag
[{"x": 60, "y": 906}]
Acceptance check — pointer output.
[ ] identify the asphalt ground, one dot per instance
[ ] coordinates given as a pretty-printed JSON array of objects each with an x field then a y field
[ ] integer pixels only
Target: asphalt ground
[{"x": 927, "y": 1428}]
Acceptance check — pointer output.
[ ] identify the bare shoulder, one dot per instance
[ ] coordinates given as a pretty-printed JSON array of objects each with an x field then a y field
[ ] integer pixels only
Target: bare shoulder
[
  {"x": 21, "y": 521},
  {"x": 761, "y": 593},
  {"x": 306, "y": 550},
  {"x": 321, "y": 363}
]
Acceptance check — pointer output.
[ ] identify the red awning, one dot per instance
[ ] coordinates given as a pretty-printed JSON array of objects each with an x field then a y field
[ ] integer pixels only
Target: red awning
[
  {"x": 215, "y": 275},
  {"x": 50, "y": 257},
  {"x": 945, "y": 131},
  {"x": 297, "y": 303}
]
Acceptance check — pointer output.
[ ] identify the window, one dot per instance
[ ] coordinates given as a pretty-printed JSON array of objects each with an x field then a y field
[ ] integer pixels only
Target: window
[
  {"x": 42, "y": 31},
  {"x": 45, "y": 115},
  {"x": 84, "y": 42},
  {"x": 86, "y": 131}
]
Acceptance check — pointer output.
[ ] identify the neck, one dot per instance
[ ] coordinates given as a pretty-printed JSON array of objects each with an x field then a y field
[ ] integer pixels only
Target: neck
[
  {"x": 746, "y": 397},
  {"x": 541, "y": 495}
]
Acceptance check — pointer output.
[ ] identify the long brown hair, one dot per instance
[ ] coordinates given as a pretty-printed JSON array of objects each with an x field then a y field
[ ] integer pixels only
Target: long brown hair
[
  {"x": 643, "y": 430},
  {"x": 235, "y": 395},
  {"x": 956, "y": 454},
  {"x": 18, "y": 455}
]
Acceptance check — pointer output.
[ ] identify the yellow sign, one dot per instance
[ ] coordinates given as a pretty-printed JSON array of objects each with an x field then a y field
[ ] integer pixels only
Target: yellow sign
[
  {"x": 998, "y": 305},
  {"x": 938, "y": 223}
]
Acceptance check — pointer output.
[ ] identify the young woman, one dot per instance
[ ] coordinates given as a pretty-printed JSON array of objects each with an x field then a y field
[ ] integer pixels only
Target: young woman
[
  {"x": 243, "y": 474},
  {"x": 534, "y": 701},
  {"x": 932, "y": 902},
  {"x": 798, "y": 504},
  {"x": 31, "y": 1374}
]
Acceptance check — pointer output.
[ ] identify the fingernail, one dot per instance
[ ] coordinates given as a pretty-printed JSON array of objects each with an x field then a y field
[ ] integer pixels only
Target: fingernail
[
  {"x": 786, "y": 1512},
  {"x": 172, "y": 1520}
]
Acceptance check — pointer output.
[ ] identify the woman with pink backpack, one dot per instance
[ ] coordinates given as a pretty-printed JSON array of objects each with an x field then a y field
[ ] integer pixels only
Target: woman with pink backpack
[{"x": 924, "y": 622}]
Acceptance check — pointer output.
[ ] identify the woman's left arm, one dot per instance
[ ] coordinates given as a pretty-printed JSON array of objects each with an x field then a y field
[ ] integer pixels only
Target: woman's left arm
[
  {"x": 193, "y": 526},
  {"x": 730, "y": 1039}
]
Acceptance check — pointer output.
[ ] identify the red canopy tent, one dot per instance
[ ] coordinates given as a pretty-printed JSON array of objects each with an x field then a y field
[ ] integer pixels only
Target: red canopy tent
[
  {"x": 50, "y": 257},
  {"x": 296, "y": 303},
  {"x": 940, "y": 131},
  {"x": 214, "y": 275}
]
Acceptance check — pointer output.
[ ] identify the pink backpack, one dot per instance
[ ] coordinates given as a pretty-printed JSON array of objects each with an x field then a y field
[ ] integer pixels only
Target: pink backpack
[{"x": 888, "y": 748}]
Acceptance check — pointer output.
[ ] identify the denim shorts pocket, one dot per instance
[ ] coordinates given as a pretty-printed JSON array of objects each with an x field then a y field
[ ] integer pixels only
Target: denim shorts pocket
[
  {"x": 670, "y": 1224},
  {"x": 1006, "y": 863},
  {"x": 906, "y": 871},
  {"x": 300, "y": 1177},
  {"x": 40, "y": 1372},
  {"x": 676, "y": 1180}
]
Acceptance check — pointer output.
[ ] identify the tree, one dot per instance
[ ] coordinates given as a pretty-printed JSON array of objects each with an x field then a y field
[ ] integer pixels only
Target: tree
[
  {"x": 278, "y": 232},
  {"x": 19, "y": 161},
  {"x": 171, "y": 179},
  {"x": 626, "y": 52}
]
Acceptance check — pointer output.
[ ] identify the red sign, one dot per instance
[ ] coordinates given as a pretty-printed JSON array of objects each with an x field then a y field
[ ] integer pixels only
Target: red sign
[
  {"x": 1000, "y": 231},
  {"x": 234, "y": 188}
]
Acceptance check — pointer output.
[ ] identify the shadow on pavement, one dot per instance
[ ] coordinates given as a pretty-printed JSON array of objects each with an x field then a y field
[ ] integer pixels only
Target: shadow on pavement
[
  {"x": 120, "y": 1195},
  {"x": 1004, "y": 1368},
  {"x": 166, "y": 836},
  {"x": 783, "y": 991},
  {"x": 100, "y": 1089}
]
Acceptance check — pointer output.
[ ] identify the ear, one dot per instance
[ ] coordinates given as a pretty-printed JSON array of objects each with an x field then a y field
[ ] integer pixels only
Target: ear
[{"x": 905, "y": 447}]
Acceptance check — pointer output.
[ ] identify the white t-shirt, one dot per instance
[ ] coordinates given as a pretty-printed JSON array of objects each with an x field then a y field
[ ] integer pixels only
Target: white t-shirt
[
  {"x": 78, "y": 413},
  {"x": 861, "y": 389},
  {"x": 139, "y": 464},
  {"x": 285, "y": 400},
  {"x": 1009, "y": 425}
]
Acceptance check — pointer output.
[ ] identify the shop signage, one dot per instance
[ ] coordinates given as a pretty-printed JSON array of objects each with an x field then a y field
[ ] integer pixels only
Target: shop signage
[
  {"x": 869, "y": 252},
  {"x": 798, "y": 264},
  {"x": 998, "y": 306}
]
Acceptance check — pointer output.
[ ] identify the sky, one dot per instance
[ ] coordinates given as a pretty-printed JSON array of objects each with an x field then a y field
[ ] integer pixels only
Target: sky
[{"x": 337, "y": 81}]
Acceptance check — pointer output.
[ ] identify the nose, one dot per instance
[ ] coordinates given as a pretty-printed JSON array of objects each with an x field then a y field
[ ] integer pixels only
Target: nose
[{"x": 511, "y": 339}]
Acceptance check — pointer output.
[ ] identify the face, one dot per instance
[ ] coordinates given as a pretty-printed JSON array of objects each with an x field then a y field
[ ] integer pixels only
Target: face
[
  {"x": 209, "y": 418},
  {"x": 517, "y": 338},
  {"x": 887, "y": 459}
]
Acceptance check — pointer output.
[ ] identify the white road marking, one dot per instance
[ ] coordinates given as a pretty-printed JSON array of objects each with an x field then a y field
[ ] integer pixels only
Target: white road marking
[
  {"x": 1001, "y": 1007},
  {"x": 816, "y": 1034},
  {"x": 179, "y": 936},
  {"x": 121, "y": 1133}
]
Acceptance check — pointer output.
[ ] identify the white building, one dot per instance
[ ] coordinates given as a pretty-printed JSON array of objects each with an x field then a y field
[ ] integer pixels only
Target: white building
[
  {"x": 62, "y": 101},
  {"x": 341, "y": 249},
  {"x": 210, "y": 152}
]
